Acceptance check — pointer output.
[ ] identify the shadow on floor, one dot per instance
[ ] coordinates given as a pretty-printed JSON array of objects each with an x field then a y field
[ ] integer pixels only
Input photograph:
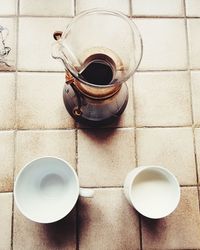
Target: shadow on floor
[{"x": 62, "y": 234}]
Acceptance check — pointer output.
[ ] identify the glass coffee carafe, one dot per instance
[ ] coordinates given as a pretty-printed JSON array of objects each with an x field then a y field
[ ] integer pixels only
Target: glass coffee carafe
[{"x": 100, "y": 50}]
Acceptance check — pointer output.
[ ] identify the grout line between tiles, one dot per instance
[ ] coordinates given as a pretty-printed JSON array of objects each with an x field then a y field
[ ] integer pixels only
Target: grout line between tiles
[
  {"x": 191, "y": 103},
  {"x": 134, "y": 120},
  {"x": 181, "y": 126},
  {"x": 71, "y": 16},
  {"x": 189, "y": 185},
  {"x": 76, "y": 149},
  {"x": 99, "y": 128},
  {"x": 8, "y": 16},
  {"x": 106, "y": 128},
  {"x": 13, "y": 179},
  {"x": 39, "y": 71},
  {"x": 77, "y": 226},
  {"x": 43, "y": 129},
  {"x": 160, "y": 70},
  {"x": 15, "y": 132},
  {"x": 157, "y": 17},
  {"x": 140, "y": 229},
  {"x": 103, "y": 187},
  {"x": 117, "y": 187},
  {"x": 136, "y": 159},
  {"x": 47, "y": 16},
  {"x": 77, "y": 206},
  {"x": 137, "y": 71},
  {"x": 130, "y": 8},
  {"x": 12, "y": 223},
  {"x": 131, "y": 15},
  {"x": 74, "y": 7}
]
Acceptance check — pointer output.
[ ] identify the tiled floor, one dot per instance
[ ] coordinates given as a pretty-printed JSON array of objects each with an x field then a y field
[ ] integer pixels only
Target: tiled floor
[{"x": 161, "y": 125}]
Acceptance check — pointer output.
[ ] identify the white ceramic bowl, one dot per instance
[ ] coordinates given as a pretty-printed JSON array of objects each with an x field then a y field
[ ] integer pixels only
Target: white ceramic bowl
[
  {"x": 152, "y": 190},
  {"x": 46, "y": 189}
]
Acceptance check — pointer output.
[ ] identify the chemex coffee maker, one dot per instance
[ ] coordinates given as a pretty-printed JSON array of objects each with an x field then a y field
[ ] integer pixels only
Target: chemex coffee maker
[{"x": 100, "y": 50}]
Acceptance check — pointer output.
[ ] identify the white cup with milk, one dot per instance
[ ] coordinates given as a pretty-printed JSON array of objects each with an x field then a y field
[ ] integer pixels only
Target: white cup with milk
[{"x": 152, "y": 190}]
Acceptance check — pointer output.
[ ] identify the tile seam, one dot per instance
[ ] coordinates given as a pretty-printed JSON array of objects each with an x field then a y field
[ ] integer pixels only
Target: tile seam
[
  {"x": 41, "y": 71},
  {"x": 77, "y": 206},
  {"x": 13, "y": 179},
  {"x": 74, "y": 7},
  {"x": 15, "y": 126},
  {"x": 191, "y": 99},
  {"x": 101, "y": 128},
  {"x": 135, "y": 154},
  {"x": 71, "y": 16},
  {"x": 130, "y": 8},
  {"x": 137, "y": 71},
  {"x": 77, "y": 225},
  {"x": 167, "y": 127},
  {"x": 42, "y": 129},
  {"x": 43, "y": 17},
  {"x": 160, "y": 70},
  {"x": 158, "y": 16},
  {"x": 115, "y": 187},
  {"x": 76, "y": 152}
]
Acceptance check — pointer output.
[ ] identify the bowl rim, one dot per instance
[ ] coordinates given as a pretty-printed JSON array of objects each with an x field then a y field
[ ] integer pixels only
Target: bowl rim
[{"x": 20, "y": 207}]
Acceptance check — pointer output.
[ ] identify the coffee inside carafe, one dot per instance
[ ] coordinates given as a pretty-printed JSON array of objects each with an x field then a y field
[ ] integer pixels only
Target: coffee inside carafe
[{"x": 98, "y": 69}]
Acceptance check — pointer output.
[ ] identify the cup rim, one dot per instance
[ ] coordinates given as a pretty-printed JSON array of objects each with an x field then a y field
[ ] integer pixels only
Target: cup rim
[
  {"x": 17, "y": 180},
  {"x": 138, "y": 170}
]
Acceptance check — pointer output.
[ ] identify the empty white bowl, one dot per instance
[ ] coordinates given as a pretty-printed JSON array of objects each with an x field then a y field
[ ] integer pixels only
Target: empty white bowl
[
  {"x": 152, "y": 190},
  {"x": 46, "y": 189}
]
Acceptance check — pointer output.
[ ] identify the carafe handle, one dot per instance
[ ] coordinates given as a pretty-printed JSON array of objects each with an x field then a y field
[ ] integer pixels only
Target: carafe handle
[{"x": 55, "y": 52}]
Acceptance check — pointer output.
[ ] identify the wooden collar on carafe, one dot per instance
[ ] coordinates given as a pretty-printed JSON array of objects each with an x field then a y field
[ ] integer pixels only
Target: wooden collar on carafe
[{"x": 92, "y": 91}]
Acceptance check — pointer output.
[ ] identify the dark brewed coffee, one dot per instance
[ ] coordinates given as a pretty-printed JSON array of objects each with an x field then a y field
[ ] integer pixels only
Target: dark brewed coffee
[{"x": 98, "y": 72}]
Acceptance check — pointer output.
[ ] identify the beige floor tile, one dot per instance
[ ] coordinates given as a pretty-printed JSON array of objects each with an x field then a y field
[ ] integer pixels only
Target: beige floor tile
[
  {"x": 7, "y": 160},
  {"x": 192, "y": 8},
  {"x": 30, "y": 235},
  {"x": 119, "y": 5},
  {"x": 40, "y": 101},
  {"x": 107, "y": 221},
  {"x": 195, "y": 82},
  {"x": 180, "y": 230},
  {"x": 197, "y": 142},
  {"x": 5, "y": 220},
  {"x": 34, "y": 144},
  {"x": 35, "y": 43},
  {"x": 7, "y": 44},
  {"x": 162, "y": 99},
  {"x": 157, "y": 8},
  {"x": 8, "y": 7},
  {"x": 169, "y": 147},
  {"x": 47, "y": 8},
  {"x": 194, "y": 48},
  {"x": 7, "y": 101},
  {"x": 105, "y": 156},
  {"x": 164, "y": 43}
]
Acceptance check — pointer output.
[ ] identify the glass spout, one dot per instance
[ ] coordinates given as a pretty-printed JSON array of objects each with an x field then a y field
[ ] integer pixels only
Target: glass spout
[{"x": 57, "y": 52}]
